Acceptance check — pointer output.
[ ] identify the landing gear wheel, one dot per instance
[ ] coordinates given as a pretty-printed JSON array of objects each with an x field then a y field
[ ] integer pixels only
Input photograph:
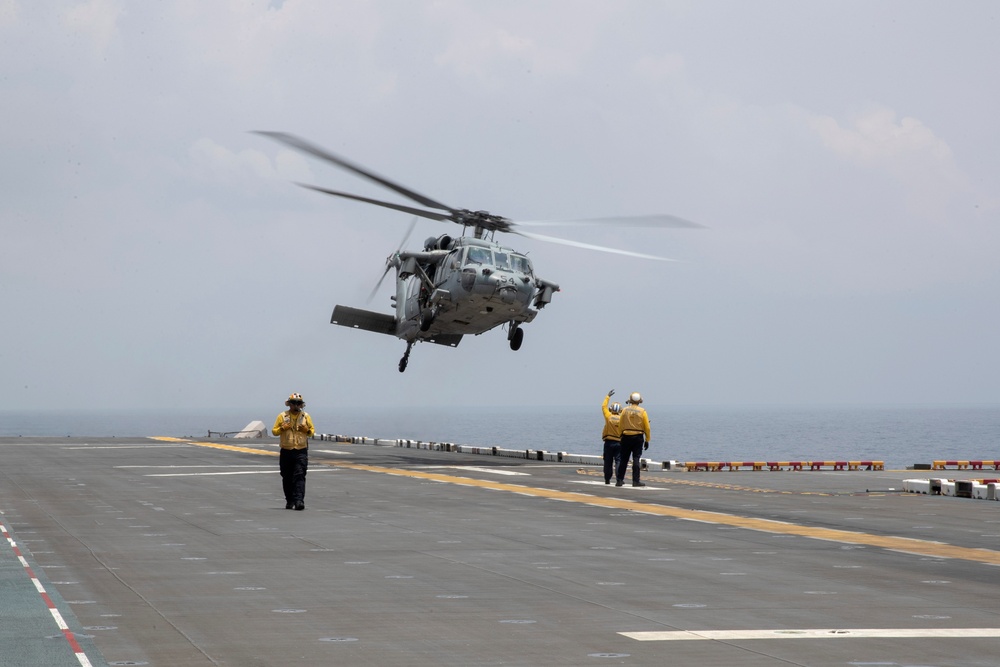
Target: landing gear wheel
[
  {"x": 426, "y": 319},
  {"x": 406, "y": 357},
  {"x": 516, "y": 338}
]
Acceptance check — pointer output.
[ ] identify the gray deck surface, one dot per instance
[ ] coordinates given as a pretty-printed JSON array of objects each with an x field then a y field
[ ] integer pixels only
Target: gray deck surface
[{"x": 177, "y": 553}]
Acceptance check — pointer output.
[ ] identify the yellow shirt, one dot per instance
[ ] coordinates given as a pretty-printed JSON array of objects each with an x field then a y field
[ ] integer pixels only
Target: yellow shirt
[
  {"x": 299, "y": 431},
  {"x": 612, "y": 430},
  {"x": 634, "y": 421}
]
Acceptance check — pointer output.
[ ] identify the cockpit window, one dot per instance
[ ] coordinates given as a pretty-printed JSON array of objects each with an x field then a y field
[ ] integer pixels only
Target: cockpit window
[
  {"x": 502, "y": 260},
  {"x": 521, "y": 264},
  {"x": 479, "y": 256}
]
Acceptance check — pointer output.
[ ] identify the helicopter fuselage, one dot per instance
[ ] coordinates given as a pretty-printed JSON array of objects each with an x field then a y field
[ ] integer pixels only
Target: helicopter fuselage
[
  {"x": 474, "y": 285},
  {"x": 454, "y": 287}
]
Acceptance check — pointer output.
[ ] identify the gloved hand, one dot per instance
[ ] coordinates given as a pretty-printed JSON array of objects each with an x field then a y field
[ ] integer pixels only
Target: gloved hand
[
  {"x": 611, "y": 393},
  {"x": 285, "y": 425},
  {"x": 304, "y": 427},
  {"x": 645, "y": 445}
]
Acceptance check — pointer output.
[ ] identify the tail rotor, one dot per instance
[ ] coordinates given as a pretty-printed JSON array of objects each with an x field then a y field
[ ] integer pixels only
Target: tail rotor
[{"x": 392, "y": 261}]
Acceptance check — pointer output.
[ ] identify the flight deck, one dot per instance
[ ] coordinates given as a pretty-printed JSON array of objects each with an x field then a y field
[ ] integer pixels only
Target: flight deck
[{"x": 166, "y": 551}]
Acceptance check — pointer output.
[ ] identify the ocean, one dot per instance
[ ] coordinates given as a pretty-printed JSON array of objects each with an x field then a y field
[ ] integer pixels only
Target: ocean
[{"x": 899, "y": 435}]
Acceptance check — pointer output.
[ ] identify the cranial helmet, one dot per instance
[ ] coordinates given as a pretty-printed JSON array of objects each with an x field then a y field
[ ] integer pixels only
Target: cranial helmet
[
  {"x": 616, "y": 408},
  {"x": 635, "y": 398},
  {"x": 295, "y": 398}
]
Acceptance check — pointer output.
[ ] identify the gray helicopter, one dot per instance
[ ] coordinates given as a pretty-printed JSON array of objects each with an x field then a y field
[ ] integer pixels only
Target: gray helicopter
[{"x": 460, "y": 285}]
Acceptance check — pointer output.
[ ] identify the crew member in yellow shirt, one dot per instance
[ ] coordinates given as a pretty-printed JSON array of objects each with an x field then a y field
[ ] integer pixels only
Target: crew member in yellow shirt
[
  {"x": 634, "y": 425},
  {"x": 295, "y": 427},
  {"x": 611, "y": 436}
]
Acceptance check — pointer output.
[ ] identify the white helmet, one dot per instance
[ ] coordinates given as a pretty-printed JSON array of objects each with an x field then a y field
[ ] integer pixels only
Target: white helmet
[
  {"x": 616, "y": 408},
  {"x": 635, "y": 398}
]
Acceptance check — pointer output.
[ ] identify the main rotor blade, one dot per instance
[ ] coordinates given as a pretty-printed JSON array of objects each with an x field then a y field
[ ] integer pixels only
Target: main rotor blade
[
  {"x": 301, "y": 144},
  {"x": 588, "y": 246},
  {"x": 433, "y": 215},
  {"x": 621, "y": 220},
  {"x": 378, "y": 284},
  {"x": 406, "y": 236}
]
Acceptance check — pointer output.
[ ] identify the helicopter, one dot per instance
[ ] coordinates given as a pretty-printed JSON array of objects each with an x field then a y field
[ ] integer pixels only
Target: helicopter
[{"x": 459, "y": 285}]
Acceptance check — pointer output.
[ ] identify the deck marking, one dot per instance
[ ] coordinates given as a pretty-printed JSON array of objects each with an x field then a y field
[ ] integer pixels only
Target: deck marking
[
  {"x": 492, "y": 471},
  {"x": 230, "y": 472},
  {"x": 121, "y": 447},
  {"x": 809, "y": 633},
  {"x": 170, "y": 467},
  {"x": 81, "y": 657},
  {"x": 644, "y": 489},
  {"x": 717, "y": 485},
  {"x": 907, "y": 545}
]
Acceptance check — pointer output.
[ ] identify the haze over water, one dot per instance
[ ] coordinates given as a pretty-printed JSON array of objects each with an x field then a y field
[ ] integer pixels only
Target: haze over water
[{"x": 898, "y": 435}]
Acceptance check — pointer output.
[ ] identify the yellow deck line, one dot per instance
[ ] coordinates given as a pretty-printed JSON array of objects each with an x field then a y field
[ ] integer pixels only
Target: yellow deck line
[
  {"x": 904, "y": 544},
  {"x": 217, "y": 445}
]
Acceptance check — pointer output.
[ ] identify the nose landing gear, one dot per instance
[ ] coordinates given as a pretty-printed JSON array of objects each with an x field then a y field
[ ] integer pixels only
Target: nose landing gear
[{"x": 515, "y": 336}]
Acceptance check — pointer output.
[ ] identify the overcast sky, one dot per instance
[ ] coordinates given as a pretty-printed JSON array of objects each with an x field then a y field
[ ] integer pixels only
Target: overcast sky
[{"x": 843, "y": 155}]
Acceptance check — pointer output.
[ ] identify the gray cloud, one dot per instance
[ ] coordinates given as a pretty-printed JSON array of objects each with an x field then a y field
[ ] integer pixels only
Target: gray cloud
[{"x": 841, "y": 153}]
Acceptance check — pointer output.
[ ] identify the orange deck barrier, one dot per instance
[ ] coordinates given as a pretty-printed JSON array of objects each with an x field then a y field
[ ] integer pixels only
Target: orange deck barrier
[
  {"x": 972, "y": 464},
  {"x": 717, "y": 466}
]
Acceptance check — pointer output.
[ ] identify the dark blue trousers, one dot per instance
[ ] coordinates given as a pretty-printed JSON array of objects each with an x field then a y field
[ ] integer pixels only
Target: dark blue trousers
[
  {"x": 611, "y": 450},
  {"x": 293, "y": 464},
  {"x": 631, "y": 449}
]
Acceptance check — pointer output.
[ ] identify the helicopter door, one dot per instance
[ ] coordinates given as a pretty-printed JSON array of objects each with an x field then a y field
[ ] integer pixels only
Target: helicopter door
[
  {"x": 411, "y": 307},
  {"x": 447, "y": 268}
]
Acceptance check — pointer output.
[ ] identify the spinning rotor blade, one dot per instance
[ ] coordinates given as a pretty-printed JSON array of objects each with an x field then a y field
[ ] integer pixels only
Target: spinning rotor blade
[
  {"x": 306, "y": 147},
  {"x": 378, "y": 284},
  {"x": 620, "y": 220},
  {"x": 625, "y": 221},
  {"x": 398, "y": 207},
  {"x": 480, "y": 221},
  {"x": 588, "y": 246},
  {"x": 406, "y": 236},
  {"x": 388, "y": 264}
]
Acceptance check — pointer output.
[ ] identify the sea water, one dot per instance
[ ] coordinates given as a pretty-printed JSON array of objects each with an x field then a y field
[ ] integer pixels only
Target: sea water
[{"x": 898, "y": 435}]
